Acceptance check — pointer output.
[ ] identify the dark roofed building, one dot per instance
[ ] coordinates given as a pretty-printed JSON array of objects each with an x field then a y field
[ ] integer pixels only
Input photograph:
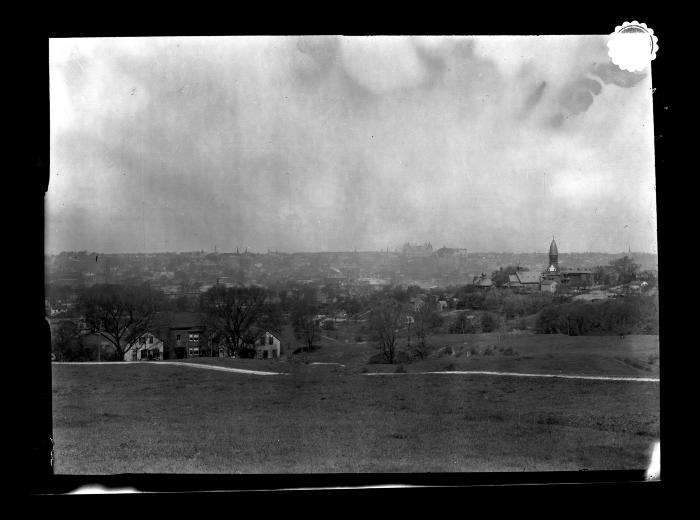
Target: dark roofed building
[
  {"x": 549, "y": 286},
  {"x": 528, "y": 277},
  {"x": 566, "y": 276},
  {"x": 451, "y": 252},
  {"x": 482, "y": 281},
  {"x": 513, "y": 280},
  {"x": 577, "y": 277},
  {"x": 524, "y": 280},
  {"x": 418, "y": 250},
  {"x": 185, "y": 335}
]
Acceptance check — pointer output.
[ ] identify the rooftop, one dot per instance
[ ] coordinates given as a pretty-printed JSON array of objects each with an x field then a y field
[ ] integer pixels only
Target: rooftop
[{"x": 528, "y": 276}]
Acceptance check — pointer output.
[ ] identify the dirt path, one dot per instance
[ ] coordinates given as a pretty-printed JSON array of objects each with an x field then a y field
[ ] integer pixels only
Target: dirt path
[
  {"x": 174, "y": 363},
  {"x": 517, "y": 374},
  {"x": 453, "y": 372}
]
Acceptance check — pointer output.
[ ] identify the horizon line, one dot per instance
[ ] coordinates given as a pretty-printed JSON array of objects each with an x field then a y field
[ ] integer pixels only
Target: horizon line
[{"x": 398, "y": 251}]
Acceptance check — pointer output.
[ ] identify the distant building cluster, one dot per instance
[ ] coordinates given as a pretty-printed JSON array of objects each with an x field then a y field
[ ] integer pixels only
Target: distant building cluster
[
  {"x": 426, "y": 250},
  {"x": 546, "y": 281},
  {"x": 418, "y": 249}
]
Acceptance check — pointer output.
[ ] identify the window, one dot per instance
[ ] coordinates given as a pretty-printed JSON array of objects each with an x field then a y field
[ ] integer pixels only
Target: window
[
  {"x": 194, "y": 337},
  {"x": 271, "y": 338},
  {"x": 150, "y": 339},
  {"x": 133, "y": 355},
  {"x": 142, "y": 340}
]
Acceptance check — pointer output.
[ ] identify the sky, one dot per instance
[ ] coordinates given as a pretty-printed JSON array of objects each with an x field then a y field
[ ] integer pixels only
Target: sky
[{"x": 331, "y": 143}]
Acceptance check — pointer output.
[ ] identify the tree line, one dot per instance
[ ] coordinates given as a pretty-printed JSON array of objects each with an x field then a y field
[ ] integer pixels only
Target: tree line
[
  {"x": 630, "y": 315},
  {"x": 234, "y": 317}
]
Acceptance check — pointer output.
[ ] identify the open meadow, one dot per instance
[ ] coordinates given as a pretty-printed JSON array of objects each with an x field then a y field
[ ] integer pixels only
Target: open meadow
[{"x": 160, "y": 418}]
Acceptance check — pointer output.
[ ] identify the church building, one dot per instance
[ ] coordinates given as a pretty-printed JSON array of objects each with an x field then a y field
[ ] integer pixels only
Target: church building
[
  {"x": 553, "y": 258},
  {"x": 568, "y": 276}
]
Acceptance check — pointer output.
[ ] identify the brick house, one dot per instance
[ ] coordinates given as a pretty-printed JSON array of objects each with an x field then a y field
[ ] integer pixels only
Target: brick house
[{"x": 185, "y": 336}]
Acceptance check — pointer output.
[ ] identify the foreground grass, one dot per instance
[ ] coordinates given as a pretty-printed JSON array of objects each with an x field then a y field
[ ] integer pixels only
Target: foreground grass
[{"x": 150, "y": 418}]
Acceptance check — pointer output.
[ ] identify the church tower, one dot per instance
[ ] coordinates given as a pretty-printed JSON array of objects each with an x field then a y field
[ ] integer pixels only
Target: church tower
[{"x": 553, "y": 258}]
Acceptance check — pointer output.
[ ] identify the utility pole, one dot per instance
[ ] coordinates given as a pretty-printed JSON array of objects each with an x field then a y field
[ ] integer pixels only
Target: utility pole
[{"x": 408, "y": 328}]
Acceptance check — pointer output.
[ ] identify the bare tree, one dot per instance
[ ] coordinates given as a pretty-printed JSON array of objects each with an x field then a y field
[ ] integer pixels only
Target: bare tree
[
  {"x": 304, "y": 321},
  {"x": 232, "y": 312},
  {"x": 385, "y": 320},
  {"x": 119, "y": 313},
  {"x": 425, "y": 320}
]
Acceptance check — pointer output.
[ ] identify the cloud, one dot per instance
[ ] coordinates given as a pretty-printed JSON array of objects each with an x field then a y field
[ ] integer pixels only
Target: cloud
[
  {"x": 578, "y": 96},
  {"x": 314, "y": 57},
  {"x": 310, "y": 143},
  {"x": 382, "y": 65},
  {"x": 535, "y": 96},
  {"x": 611, "y": 73}
]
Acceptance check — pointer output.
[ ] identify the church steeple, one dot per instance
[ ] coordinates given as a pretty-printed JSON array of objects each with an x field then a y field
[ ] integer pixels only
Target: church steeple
[{"x": 553, "y": 257}]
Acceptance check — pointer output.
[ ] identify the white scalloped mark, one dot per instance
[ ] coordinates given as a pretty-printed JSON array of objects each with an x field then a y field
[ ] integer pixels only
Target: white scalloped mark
[{"x": 632, "y": 46}]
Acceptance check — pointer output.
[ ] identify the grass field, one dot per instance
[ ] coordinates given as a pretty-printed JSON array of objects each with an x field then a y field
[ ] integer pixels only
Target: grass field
[
  {"x": 327, "y": 418},
  {"x": 635, "y": 356}
]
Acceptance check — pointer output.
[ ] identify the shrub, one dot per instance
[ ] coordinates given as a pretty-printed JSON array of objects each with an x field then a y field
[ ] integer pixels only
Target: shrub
[
  {"x": 462, "y": 325},
  {"x": 422, "y": 351},
  {"x": 629, "y": 315},
  {"x": 489, "y": 322},
  {"x": 509, "y": 352},
  {"x": 402, "y": 357},
  {"x": 445, "y": 351},
  {"x": 378, "y": 359},
  {"x": 247, "y": 352},
  {"x": 303, "y": 349},
  {"x": 488, "y": 351},
  {"x": 400, "y": 369}
]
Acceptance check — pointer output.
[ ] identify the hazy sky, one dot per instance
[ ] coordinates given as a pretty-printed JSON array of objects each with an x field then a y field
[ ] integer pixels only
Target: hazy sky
[{"x": 337, "y": 143}]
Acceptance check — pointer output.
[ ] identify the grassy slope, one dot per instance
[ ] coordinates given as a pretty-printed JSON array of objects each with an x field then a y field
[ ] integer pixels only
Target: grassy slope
[
  {"x": 635, "y": 356},
  {"x": 321, "y": 418},
  {"x": 536, "y": 353}
]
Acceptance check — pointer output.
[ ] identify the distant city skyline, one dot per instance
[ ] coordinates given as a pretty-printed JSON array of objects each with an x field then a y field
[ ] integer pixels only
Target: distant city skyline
[
  {"x": 336, "y": 144},
  {"x": 391, "y": 250}
]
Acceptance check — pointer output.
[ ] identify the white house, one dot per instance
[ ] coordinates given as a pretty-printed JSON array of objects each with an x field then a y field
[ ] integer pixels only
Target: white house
[
  {"x": 267, "y": 346},
  {"x": 148, "y": 347}
]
